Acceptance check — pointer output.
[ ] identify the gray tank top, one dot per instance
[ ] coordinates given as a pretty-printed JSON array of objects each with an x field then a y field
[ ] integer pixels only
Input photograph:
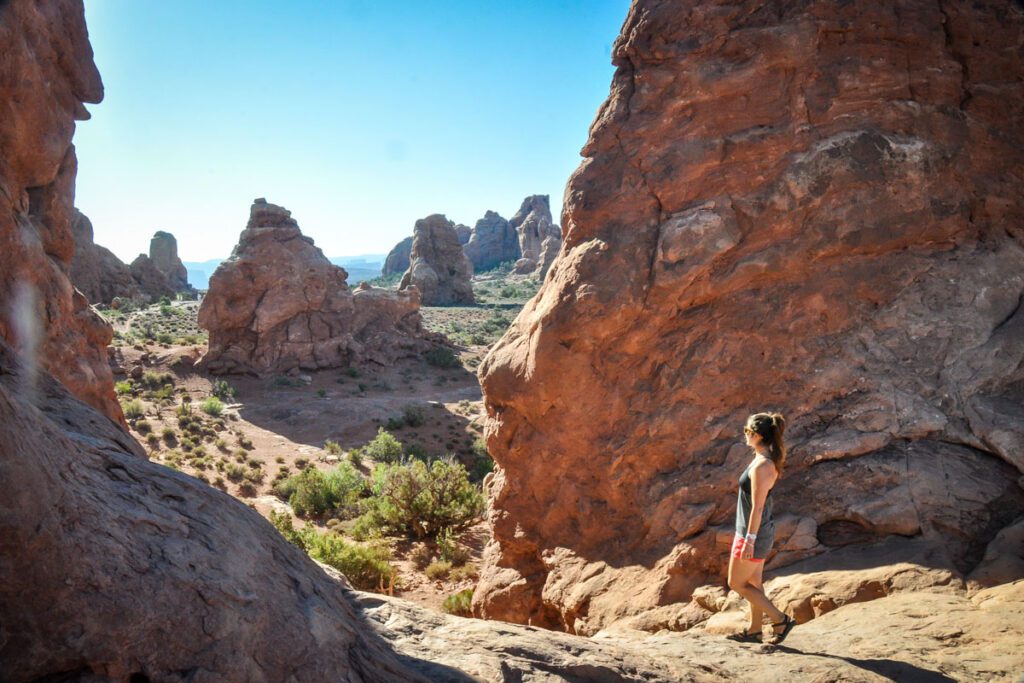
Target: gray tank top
[{"x": 745, "y": 504}]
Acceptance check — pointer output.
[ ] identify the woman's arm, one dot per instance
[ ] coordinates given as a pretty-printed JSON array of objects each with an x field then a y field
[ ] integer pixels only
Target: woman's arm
[{"x": 762, "y": 478}]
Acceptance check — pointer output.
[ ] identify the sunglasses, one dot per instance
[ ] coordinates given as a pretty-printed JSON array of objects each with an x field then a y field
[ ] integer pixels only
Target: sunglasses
[{"x": 748, "y": 430}]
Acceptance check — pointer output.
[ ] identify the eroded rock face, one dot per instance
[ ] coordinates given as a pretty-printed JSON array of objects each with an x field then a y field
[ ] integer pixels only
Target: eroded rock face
[
  {"x": 438, "y": 267},
  {"x": 279, "y": 304},
  {"x": 398, "y": 258},
  {"x": 780, "y": 208},
  {"x": 493, "y": 241},
  {"x": 539, "y": 238},
  {"x": 46, "y": 73},
  {"x": 95, "y": 270}
]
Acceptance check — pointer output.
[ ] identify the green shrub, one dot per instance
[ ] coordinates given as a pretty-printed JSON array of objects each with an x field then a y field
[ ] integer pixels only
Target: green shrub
[
  {"x": 442, "y": 357},
  {"x": 315, "y": 493},
  {"x": 355, "y": 457},
  {"x": 413, "y": 415},
  {"x": 466, "y": 572},
  {"x": 222, "y": 390},
  {"x": 367, "y": 567},
  {"x": 165, "y": 338},
  {"x": 459, "y": 604},
  {"x": 143, "y": 427},
  {"x": 332, "y": 447},
  {"x": 420, "y": 500},
  {"x": 153, "y": 440},
  {"x": 384, "y": 447},
  {"x": 212, "y": 406},
  {"x": 155, "y": 380},
  {"x": 438, "y": 570},
  {"x": 132, "y": 409},
  {"x": 123, "y": 388},
  {"x": 234, "y": 472}
]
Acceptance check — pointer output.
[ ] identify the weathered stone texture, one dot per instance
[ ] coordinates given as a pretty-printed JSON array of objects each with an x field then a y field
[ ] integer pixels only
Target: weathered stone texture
[
  {"x": 809, "y": 207},
  {"x": 279, "y": 304},
  {"x": 538, "y": 236},
  {"x": 95, "y": 271},
  {"x": 438, "y": 267},
  {"x": 46, "y": 73},
  {"x": 397, "y": 260}
]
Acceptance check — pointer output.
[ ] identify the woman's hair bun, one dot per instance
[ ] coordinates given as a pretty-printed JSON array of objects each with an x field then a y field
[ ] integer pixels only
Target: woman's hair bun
[{"x": 778, "y": 422}]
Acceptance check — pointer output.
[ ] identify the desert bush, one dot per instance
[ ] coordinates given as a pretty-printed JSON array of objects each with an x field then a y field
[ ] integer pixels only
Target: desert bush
[
  {"x": 355, "y": 457},
  {"x": 253, "y": 476},
  {"x": 301, "y": 463},
  {"x": 466, "y": 572},
  {"x": 438, "y": 570},
  {"x": 165, "y": 338},
  {"x": 143, "y": 427},
  {"x": 420, "y": 500},
  {"x": 384, "y": 447},
  {"x": 332, "y": 447},
  {"x": 279, "y": 460},
  {"x": 154, "y": 380},
  {"x": 153, "y": 440},
  {"x": 212, "y": 406},
  {"x": 123, "y": 388},
  {"x": 459, "y": 603},
  {"x": 222, "y": 390},
  {"x": 315, "y": 493},
  {"x": 367, "y": 567},
  {"x": 413, "y": 415},
  {"x": 441, "y": 357},
  {"x": 234, "y": 472},
  {"x": 132, "y": 409},
  {"x": 168, "y": 434}
]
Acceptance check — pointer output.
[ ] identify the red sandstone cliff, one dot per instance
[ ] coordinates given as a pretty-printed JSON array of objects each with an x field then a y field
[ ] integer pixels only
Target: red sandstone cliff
[
  {"x": 46, "y": 46},
  {"x": 810, "y": 207}
]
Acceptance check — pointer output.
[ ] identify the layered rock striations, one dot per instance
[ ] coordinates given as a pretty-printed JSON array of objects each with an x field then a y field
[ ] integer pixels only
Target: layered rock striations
[
  {"x": 539, "y": 238},
  {"x": 493, "y": 241},
  {"x": 397, "y": 260},
  {"x": 46, "y": 74},
  {"x": 163, "y": 251},
  {"x": 438, "y": 267},
  {"x": 812, "y": 208},
  {"x": 95, "y": 270},
  {"x": 278, "y": 304}
]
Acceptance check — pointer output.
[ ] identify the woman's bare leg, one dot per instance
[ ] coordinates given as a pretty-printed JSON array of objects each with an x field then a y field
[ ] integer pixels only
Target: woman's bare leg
[
  {"x": 756, "y": 614},
  {"x": 741, "y": 572}
]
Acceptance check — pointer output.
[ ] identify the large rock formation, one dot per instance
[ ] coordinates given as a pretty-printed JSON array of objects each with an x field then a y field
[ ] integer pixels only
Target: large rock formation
[
  {"x": 493, "y": 241},
  {"x": 397, "y": 260},
  {"x": 95, "y": 270},
  {"x": 463, "y": 232},
  {"x": 438, "y": 267},
  {"x": 46, "y": 73},
  {"x": 539, "y": 238},
  {"x": 163, "y": 251},
  {"x": 279, "y": 304},
  {"x": 161, "y": 273},
  {"x": 808, "y": 207}
]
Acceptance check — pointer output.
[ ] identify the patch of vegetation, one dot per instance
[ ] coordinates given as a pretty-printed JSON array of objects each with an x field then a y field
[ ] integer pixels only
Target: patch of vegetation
[
  {"x": 222, "y": 390},
  {"x": 313, "y": 493},
  {"x": 123, "y": 388},
  {"x": 442, "y": 357},
  {"x": 132, "y": 409},
  {"x": 212, "y": 406},
  {"x": 419, "y": 500},
  {"x": 367, "y": 567},
  {"x": 383, "y": 448},
  {"x": 459, "y": 604}
]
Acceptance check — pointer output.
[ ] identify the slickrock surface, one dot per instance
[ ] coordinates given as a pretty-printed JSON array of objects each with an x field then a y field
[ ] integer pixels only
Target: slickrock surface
[
  {"x": 813, "y": 208},
  {"x": 438, "y": 267},
  {"x": 163, "y": 251},
  {"x": 493, "y": 241},
  {"x": 278, "y": 304},
  {"x": 906, "y": 637},
  {"x": 46, "y": 73},
  {"x": 96, "y": 271},
  {"x": 397, "y": 260},
  {"x": 115, "y": 566},
  {"x": 539, "y": 238}
]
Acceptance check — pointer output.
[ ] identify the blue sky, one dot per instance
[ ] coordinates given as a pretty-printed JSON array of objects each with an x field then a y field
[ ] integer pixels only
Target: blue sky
[{"x": 358, "y": 116}]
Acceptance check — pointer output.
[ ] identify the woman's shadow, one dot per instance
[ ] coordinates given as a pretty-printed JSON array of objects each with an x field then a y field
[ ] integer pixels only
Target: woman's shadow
[{"x": 892, "y": 669}]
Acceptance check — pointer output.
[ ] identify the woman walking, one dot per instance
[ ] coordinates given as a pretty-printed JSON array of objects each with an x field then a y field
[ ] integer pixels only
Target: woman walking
[{"x": 755, "y": 526}]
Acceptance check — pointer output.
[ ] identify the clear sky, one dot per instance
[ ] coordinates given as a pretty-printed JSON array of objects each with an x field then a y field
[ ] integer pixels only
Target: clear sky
[{"x": 359, "y": 116}]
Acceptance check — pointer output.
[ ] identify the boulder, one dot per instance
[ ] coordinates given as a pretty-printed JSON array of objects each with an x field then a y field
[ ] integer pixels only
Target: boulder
[
  {"x": 46, "y": 74},
  {"x": 277, "y": 304},
  {"x": 493, "y": 241},
  {"x": 539, "y": 238},
  {"x": 463, "y": 232},
  {"x": 809, "y": 208},
  {"x": 151, "y": 280},
  {"x": 438, "y": 267},
  {"x": 95, "y": 271},
  {"x": 397, "y": 260}
]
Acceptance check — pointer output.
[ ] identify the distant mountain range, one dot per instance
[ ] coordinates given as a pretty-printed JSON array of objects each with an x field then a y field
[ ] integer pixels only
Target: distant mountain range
[{"x": 359, "y": 268}]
